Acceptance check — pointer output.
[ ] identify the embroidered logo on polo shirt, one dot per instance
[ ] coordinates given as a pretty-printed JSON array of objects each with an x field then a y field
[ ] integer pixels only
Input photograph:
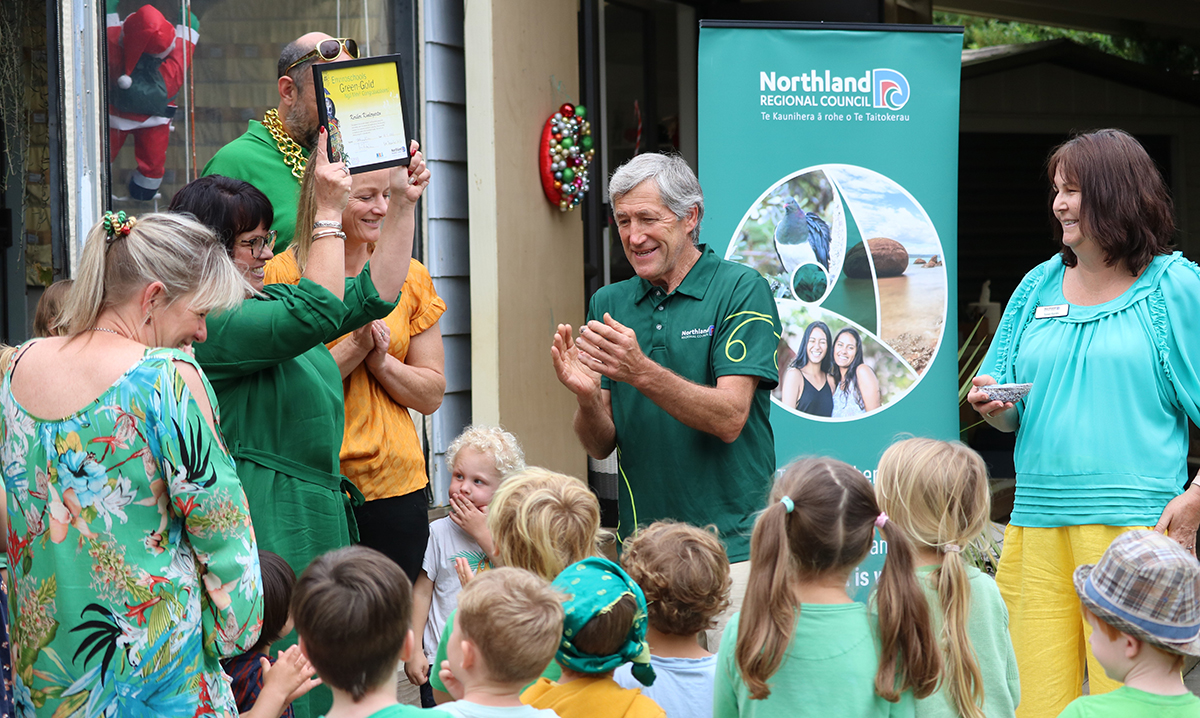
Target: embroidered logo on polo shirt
[{"x": 698, "y": 332}]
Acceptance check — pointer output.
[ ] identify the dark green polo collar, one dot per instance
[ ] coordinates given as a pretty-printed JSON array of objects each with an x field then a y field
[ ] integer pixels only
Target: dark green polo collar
[{"x": 698, "y": 278}]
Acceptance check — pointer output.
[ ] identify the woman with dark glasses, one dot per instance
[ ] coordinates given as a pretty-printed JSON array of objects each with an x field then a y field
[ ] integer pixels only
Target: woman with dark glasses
[
  {"x": 279, "y": 385},
  {"x": 271, "y": 154}
]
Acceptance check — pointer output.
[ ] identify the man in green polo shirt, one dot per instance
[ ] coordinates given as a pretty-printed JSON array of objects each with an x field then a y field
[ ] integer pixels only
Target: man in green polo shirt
[
  {"x": 271, "y": 154},
  {"x": 674, "y": 368}
]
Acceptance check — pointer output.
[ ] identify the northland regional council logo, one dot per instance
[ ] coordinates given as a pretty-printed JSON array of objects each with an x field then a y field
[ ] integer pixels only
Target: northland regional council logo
[
  {"x": 698, "y": 332},
  {"x": 881, "y": 88}
]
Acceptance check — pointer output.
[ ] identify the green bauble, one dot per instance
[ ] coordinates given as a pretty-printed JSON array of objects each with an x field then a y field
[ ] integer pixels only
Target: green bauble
[
  {"x": 568, "y": 175},
  {"x": 568, "y": 142},
  {"x": 586, "y": 142},
  {"x": 580, "y": 111}
]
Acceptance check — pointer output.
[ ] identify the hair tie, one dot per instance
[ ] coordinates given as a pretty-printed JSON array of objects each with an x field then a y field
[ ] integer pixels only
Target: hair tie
[
  {"x": 951, "y": 548},
  {"x": 881, "y": 519},
  {"x": 788, "y": 503},
  {"x": 117, "y": 225}
]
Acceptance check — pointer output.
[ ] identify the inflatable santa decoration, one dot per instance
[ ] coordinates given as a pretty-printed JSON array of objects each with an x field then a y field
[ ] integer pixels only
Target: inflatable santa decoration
[{"x": 147, "y": 57}]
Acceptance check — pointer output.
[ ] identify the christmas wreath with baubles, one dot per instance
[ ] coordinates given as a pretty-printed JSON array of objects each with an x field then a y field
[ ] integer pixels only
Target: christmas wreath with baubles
[{"x": 564, "y": 156}]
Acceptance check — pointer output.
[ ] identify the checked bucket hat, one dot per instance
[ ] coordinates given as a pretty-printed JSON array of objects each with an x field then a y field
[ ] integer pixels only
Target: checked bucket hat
[{"x": 1148, "y": 586}]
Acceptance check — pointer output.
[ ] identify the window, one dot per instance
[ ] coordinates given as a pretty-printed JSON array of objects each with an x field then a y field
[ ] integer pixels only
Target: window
[{"x": 179, "y": 91}]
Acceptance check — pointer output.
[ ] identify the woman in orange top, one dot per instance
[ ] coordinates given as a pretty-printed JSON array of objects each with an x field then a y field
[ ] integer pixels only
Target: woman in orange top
[{"x": 389, "y": 366}]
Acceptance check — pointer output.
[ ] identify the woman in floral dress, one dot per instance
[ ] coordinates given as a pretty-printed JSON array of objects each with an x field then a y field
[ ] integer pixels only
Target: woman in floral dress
[{"x": 133, "y": 564}]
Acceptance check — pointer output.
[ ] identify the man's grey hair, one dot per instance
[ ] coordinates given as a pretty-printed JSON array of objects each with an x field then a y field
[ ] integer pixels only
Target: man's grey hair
[
  {"x": 677, "y": 185},
  {"x": 291, "y": 52}
]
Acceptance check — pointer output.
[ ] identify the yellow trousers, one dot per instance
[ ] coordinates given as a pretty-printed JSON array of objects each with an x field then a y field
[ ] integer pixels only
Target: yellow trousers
[{"x": 1049, "y": 634}]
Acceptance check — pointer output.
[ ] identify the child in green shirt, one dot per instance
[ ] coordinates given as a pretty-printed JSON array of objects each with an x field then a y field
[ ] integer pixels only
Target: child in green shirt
[
  {"x": 938, "y": 491},
  {"x": 800, "y": 646},
  {"x": 352, "y": 609}
]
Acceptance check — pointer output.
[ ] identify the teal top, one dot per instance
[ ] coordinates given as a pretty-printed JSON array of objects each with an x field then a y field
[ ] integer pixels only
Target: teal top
[
  {"x": 987, "y": 626},
  {"x": 1126, "y": 702},
  {"x": 720, "y": 321},
  {"x": 828, "y": 670},
  {"x": 1103, "y": 434}
]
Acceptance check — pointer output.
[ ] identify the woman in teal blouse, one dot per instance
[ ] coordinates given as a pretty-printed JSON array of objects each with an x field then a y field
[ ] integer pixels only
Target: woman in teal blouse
[{"x": 1106, "y": 334}]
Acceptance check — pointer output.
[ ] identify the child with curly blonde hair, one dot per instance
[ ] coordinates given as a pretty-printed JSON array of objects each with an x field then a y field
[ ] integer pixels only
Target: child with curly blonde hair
[
  {"x": 542, "y": 522},
  {"x": 479, "y": 459}
]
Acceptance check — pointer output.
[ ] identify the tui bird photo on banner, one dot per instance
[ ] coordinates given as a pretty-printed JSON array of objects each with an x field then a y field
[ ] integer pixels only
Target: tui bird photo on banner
[{"x": 798, "y": 229}]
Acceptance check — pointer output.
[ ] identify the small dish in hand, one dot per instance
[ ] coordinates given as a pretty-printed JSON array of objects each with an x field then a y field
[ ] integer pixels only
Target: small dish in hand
[{"x": 1010, "y": 393}]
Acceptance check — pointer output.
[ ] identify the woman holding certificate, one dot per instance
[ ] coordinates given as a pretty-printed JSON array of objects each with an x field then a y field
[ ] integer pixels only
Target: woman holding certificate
[
  {"x": 387, "y": 367},
  {"x": 1105, "y": 333},
  {"x": 279, "y": 385}
]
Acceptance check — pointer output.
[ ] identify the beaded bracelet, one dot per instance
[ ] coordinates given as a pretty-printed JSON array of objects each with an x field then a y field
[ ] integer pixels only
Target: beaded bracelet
[
  {"x": 326, "y": 223},
  {"x": 329, "y": 233}
]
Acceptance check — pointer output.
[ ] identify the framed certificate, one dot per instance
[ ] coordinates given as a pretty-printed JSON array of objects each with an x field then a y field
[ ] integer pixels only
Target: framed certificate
[{"x": 361, "y": 105}]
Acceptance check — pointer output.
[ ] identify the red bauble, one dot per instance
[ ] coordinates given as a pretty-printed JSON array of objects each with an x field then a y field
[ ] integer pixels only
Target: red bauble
[{"x": 567, "y": 110}]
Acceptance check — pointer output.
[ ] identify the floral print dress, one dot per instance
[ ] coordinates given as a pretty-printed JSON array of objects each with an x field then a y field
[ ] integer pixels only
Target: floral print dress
[{"x": 133, "y": 564}]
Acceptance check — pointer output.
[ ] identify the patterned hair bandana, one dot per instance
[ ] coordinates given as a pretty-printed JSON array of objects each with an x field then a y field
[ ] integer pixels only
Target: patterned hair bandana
[{"x": 592, "y": 587}]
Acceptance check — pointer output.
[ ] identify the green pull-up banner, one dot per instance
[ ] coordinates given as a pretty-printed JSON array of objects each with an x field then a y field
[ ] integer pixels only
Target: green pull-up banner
[{"x": 829, "y": 161}]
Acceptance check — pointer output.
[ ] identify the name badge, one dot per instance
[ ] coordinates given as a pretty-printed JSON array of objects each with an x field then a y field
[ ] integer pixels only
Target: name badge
[{"x": 1054, "y": 310}]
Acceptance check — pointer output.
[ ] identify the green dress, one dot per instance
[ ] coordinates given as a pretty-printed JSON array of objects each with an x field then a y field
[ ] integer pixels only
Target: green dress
[
  {"x": 284, "y": 413},
  {"x": 134, "y": 568}
]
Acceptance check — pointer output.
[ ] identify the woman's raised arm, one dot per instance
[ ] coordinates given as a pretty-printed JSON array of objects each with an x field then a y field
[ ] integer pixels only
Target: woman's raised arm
[
  {"x": 326, "y": 263},
  {"x": 390, "y": 261}
]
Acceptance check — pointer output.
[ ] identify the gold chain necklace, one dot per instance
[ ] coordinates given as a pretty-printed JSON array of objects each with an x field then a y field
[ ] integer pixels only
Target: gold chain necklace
[{"x": 293, "y": 156}]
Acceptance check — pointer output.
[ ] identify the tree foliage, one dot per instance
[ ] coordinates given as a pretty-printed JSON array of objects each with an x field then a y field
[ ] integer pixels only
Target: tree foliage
[{"x": 1178, "y": 58}]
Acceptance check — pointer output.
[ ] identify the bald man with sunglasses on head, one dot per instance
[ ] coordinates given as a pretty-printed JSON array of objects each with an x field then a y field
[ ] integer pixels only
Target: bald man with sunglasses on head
[{"x": 271, "y": 154}]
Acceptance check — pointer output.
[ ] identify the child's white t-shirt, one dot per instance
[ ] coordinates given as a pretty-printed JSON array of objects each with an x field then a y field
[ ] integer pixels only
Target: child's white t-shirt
[{"x": 446, "y": 543}]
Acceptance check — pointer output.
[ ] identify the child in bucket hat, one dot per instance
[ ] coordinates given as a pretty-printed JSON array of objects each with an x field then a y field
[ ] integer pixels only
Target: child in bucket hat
[{"x": 1142, "y": 600}]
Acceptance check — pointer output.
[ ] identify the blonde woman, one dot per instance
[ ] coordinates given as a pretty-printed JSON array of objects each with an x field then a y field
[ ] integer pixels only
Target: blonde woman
[{"x": 134, "y": 567}]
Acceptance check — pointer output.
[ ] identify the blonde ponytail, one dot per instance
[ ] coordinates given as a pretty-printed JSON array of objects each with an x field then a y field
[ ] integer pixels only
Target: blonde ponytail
[
  {"x": 820, "y": 520},
  {"x": 962, "y": 677},
  {"x": 306, "y": 213},
  {"x": 937, "y": 492},
  {"x": 908, "y": 654},
  {"x": 174, "y": 249}
]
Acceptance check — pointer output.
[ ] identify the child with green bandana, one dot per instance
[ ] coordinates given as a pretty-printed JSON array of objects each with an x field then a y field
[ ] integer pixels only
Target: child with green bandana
[{"x": 604, "y": 627}]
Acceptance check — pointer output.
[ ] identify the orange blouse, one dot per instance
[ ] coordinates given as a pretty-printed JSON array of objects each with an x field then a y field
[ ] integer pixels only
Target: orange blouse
[{"x": 381, "y": 453}]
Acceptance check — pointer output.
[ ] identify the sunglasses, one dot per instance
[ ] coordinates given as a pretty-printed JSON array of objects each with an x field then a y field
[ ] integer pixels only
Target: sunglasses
[
  {"x": 328, "y": 50},
  {"x": 258, "y": 244}
]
